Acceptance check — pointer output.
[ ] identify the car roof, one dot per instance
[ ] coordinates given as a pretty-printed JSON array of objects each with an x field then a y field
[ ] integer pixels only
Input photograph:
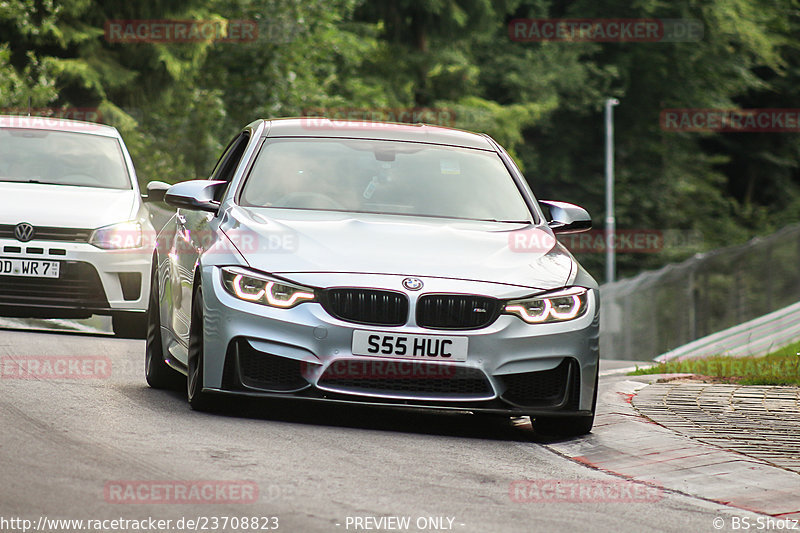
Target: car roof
[
  {"x": 363, "y": 129},
  {"x": 57, "y": 124}
]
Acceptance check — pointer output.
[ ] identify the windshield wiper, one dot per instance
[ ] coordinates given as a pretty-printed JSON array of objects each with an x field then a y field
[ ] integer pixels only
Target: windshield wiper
[
  {"x": 505, "y": 221},
  {"x": 6, "y": 180}
]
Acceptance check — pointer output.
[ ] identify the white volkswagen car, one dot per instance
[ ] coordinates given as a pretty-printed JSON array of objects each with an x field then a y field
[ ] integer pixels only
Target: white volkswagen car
[{"x": 73, "y": 226}]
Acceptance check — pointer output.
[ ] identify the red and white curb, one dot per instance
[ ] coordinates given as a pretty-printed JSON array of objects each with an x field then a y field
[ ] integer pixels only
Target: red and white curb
[{"x": 627, "y": 444}]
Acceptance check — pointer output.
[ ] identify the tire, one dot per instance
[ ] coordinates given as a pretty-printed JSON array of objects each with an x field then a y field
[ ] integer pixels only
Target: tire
[
  {"x": 129, "y": 325},
  {"x": 198, "y": 400},
  {"x": 568, "y": 426},
  {"x": 157, "y": 372}
]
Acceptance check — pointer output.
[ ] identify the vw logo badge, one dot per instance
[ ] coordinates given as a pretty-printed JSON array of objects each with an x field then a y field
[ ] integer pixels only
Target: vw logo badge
[
  {"x": 412, "y": 284},
  {"x": 23, "y": 232}
]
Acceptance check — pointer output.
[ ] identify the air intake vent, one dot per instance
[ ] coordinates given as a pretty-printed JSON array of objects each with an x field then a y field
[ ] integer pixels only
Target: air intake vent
[
  {"x": 78, "y": 286},
  {"x": 266, "y": 371},
  {"x": 403, "y": 378},
  {"x": 558, "y": 387}
]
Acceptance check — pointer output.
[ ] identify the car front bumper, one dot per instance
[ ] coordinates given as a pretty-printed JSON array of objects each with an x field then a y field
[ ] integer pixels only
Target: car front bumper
[
  {"x": 512, "y": 367},
  {"x": 91, "y": 280}
]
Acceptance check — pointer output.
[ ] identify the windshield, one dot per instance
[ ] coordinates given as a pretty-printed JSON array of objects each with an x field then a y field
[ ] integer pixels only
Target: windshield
[
  {"x": 389, "y": 177},
  {"x": 61, "y": 158}
]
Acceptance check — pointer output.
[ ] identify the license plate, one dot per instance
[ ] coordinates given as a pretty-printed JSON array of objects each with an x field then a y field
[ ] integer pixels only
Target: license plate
[
  {"x": 29, "y": 268},
  {"x": 427, "y": 347}
]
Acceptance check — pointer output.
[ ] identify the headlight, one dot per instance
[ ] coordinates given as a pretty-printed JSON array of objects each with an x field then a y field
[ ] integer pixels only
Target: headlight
[
  {"x": 118, "y": 236},
  {"x": 556, "y": 306},
  {"x": 253, "y": 287}
]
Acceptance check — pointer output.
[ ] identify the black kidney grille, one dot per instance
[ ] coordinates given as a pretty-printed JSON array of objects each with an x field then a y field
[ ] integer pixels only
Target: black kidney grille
[
  {"x": 456, "y": 311},
  {"x": 547, "y": 388},
  {"x": 367, "y": 306},
  {"x": 79, "y": 285}
]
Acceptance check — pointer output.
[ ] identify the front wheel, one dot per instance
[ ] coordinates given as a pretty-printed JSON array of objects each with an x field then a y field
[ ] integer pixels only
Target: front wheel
[
  {"x": 198, "y": 400},
  {"x": 158, "y": 373}
]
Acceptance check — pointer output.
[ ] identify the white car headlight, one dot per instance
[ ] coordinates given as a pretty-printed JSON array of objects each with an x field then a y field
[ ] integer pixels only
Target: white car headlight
[
  {"x": 252, "y": 287},
  {"x": 559, "y": 306},
  {"x": 120, "y": 236}
]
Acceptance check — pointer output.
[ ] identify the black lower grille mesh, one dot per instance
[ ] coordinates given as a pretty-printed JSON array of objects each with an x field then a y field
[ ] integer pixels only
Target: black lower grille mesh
[
  {"x": 78, "y": 285},
  {"x": 367, "y": 306},
  {"x": 547, "y": 388},
  {"x": 456, "y": 311},
  {"x": 270, "y": 372},
  {"x": 405, "y": 377}
]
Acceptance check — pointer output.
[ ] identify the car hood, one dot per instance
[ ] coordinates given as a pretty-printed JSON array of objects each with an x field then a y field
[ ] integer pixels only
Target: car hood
[
  {"x": 287, "y": 241},
  {"x": 65, "y": 206}
]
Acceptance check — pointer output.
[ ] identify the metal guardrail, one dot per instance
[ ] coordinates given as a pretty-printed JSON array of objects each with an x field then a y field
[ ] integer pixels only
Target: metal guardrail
[
  {"x": 661, "y": 311},
  {"x": 755, "y": 337}
]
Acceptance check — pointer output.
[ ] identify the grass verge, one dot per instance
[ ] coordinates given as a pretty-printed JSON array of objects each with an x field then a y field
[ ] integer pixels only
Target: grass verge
[{"x": 781, "y": 367}]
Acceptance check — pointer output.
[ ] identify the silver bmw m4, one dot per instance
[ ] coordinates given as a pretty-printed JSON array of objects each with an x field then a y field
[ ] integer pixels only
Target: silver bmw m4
[{"x": 374, "y": 263}]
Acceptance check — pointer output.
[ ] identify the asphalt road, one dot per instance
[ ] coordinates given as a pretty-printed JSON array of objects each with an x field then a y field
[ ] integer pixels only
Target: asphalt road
[{"x": 66, "y": 445}]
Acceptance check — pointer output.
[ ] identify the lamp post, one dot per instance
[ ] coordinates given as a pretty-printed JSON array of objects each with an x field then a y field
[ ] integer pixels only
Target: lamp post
[{"x": 610, "y": 220}]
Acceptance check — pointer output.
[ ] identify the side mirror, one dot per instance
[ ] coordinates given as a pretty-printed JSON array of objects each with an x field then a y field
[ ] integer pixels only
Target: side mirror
[
  {"x": 197, "y": 195},
  {"x": 567, "y": 218},
  {"x": 156, "y": 191}
]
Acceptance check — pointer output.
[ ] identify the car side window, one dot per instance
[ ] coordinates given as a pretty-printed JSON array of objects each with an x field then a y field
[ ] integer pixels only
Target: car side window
[{"x": 227, "y": 164}]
